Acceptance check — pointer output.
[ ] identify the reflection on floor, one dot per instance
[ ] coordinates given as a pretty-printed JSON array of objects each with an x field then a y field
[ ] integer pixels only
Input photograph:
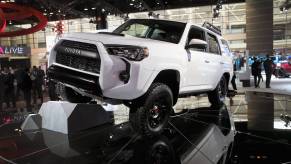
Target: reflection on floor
[
  {"x": 190, "y": 137},
  {"x": 104, "y": 144}
]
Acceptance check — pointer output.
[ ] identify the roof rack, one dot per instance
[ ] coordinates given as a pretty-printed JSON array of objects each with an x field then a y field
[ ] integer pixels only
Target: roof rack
[{"x": 212, "y": 28}]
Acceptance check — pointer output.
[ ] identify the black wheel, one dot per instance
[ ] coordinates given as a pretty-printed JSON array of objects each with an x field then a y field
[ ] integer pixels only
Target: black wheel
[
  {"x": 68, "y": 94},
  {"x": 217, "y": 96},
  {"x": 151, "y": 118}
]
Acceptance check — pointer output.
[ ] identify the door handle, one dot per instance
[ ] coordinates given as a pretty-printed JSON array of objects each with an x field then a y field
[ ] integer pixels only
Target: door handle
[{"x": 206, "y": 61}]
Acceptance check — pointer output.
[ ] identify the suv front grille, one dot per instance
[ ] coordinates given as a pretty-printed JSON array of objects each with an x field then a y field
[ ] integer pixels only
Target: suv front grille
[
  {"x": 79, "y": 45},
  {"x": 84, "y": 63},
  {"x": 79, "y": 62}
]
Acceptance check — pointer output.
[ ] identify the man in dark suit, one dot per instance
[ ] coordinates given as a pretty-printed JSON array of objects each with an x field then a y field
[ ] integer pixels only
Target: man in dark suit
[
  {"x": 26, "y": 88},
  {"x": 268, "y": 66}
]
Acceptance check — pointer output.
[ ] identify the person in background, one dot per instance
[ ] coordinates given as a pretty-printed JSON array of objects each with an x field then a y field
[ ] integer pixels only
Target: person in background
[
  {"x": 33, "y": 77},
  {"x": 255, "y": 72},
  {"x": 1, "y": 89},
  {"x": 40, "y": 82},
  {"x": 268, "y": 66},
  {"x": 234, "y": 77},
  {"x": 259, "y": 70},
  {"x": 18, "y": 77},
  {"x": 26, "y": 88},
  {"x": 9, "y": 88}
]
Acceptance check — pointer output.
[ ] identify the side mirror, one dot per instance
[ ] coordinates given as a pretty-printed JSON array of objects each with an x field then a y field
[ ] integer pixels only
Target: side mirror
[{"x": 197, "y": 44}]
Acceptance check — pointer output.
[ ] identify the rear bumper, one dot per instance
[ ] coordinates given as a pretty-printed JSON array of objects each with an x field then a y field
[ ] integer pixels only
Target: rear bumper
[{"x": 88, "y": 83}]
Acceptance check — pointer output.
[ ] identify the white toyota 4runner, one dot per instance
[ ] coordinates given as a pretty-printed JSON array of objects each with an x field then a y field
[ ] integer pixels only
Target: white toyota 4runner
[{"x": 145, "y": 64}]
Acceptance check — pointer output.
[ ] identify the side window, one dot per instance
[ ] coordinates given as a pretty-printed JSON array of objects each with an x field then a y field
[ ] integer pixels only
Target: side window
[
  {"x": 196, "y": 33},
  {"x": 213, "y": 44},
  {"x": 225, "y": 48}
]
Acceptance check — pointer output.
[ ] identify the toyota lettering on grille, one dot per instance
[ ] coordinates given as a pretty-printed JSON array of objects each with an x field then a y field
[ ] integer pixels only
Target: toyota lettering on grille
[{"x": 73, "y": 51}]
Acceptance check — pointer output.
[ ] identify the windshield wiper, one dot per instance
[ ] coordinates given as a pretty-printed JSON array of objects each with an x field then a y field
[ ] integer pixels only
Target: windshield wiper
[{"x": 110, "y": 33}]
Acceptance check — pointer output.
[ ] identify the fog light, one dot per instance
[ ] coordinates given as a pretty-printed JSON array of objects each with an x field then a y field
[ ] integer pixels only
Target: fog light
[{"x": 124, "y": 76}]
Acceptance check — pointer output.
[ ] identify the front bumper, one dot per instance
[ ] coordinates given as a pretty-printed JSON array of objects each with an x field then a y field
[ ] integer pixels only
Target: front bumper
[
  {"x": 108, "y": 83},
  {"x": 86, "y": 82}
]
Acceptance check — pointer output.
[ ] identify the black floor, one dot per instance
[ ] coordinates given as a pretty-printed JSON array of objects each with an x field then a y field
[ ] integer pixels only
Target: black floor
[{"x": 112, "y": 143}]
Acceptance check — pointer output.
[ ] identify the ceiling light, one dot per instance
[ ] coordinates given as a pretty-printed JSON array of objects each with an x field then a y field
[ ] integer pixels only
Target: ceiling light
[
  {"x": 59, "y": 11},
  {"x": 51, "y": 13},
  {"x": 131, "y": 4},
  {"x": 44, "y": 13},
  {"x": 10, "y": 22},
  {"x": 93, "y": 8},
  {"x": 3, "y": 1},
  {"x": 85, "y": 9},
  {"x": 103, "y": 10}
]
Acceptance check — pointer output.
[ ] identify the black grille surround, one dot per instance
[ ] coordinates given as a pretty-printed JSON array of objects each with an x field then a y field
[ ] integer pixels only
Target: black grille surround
[{"x": 78, "y": 55}]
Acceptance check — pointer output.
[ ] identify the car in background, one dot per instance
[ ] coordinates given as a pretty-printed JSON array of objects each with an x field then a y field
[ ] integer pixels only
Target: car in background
[{"x": 286, "y": 66}]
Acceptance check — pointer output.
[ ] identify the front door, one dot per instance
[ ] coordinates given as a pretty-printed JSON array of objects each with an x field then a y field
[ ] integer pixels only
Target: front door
[{"x": 196, "y": 64}]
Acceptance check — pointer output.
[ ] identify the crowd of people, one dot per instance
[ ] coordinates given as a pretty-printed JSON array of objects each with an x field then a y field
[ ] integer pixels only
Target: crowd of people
[{"x": 21, "y": 84}]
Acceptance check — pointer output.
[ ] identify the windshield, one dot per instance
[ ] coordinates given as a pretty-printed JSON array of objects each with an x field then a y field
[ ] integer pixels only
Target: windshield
[{"x": 167, "y": 31}]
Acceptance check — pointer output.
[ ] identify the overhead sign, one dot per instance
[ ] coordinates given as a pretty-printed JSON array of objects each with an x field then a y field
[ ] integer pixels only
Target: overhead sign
[{"x": 17, "y": 51}]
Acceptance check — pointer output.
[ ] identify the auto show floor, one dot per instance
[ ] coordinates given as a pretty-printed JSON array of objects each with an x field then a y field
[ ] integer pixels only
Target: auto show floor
[
  {"x": 119, "y": 143},
  {"x": 113, "y": 143}
]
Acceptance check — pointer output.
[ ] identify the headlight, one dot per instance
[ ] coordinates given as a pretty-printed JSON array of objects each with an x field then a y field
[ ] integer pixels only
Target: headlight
[{"x": 130, "y": 52}]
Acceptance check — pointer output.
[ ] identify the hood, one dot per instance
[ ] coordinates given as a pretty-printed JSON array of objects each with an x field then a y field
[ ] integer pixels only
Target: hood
[{"x": 113, "y": 39}]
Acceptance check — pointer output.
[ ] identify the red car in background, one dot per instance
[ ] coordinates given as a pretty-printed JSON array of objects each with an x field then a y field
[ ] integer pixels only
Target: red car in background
[{"x": 286, "y": 66}]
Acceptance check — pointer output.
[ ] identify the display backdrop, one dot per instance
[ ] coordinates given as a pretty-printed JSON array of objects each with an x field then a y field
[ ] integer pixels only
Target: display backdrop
[{"x": 19, "y": 13}]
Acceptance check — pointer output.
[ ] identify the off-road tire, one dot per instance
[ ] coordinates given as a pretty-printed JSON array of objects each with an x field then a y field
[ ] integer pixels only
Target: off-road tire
[
  {"x": 152, "y": 116},
  {"x": 217, "y": 96}
]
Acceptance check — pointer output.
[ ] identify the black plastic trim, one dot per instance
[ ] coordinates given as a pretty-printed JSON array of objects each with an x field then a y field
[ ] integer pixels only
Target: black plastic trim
[{"x": 89, "y": 83}]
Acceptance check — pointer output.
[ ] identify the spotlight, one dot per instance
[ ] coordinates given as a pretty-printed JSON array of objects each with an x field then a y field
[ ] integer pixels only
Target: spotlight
[
  {"x": 85, "y": 9},
  {"x": 285, "y": 6},
  {"x": 93, "y": 8}
]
